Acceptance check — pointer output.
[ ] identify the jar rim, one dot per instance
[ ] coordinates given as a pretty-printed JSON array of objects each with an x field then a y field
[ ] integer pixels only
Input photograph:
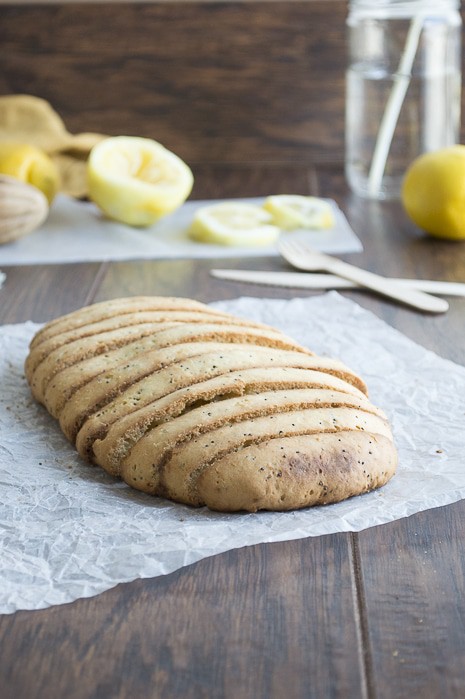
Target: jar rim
[{"x": 404, "y": 7}]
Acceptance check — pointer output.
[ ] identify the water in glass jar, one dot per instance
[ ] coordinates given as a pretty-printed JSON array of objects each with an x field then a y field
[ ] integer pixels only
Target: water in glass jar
[{"x": 428, "y": 117}]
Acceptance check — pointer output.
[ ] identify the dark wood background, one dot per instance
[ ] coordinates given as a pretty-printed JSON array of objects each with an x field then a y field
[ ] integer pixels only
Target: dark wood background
[
  {"x": 215, "y": 82},
  {"x": 212, "y": 81}
]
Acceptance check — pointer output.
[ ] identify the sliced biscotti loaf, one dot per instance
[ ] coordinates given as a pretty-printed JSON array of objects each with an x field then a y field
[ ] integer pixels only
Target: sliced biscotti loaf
[{"x": 198, "y": 406}]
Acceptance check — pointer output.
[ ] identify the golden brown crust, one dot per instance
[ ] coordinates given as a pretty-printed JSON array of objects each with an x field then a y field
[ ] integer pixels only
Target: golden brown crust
[
  {"x": 316, "y": 470},
  {"x": 204, "y": 408}
]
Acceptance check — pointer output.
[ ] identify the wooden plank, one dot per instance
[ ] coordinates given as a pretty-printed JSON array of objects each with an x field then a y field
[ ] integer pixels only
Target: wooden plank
[
  {"x": 230, "y": 82},
  {"x": 223, "y": 181},
  {"x": 413, "y": 573},
  {"x": 41, "y": 293},
  {"x": 259, "y": 622},
  {"x": 126, "y": 2},
  {"x": 215, "y": 82}
]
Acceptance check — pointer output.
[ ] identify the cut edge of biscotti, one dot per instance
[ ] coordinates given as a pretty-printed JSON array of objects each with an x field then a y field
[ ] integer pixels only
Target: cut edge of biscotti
[
  {"x": 114, "y": 434},
  {"x": 133, "y": 387},
  {"x": 105, "y": 310},
  {"x": 40, "y": 370}
]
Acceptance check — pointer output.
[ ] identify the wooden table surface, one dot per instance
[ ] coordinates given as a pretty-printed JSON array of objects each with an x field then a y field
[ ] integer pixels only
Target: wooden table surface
[{"x": 375, "y": 614}]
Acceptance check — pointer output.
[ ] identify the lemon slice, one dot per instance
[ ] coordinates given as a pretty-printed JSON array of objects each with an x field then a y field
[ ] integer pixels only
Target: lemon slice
[
  {"x": 31, "y": 165},
  {"x": 233, "y": 223},
  {"x": 136, "y": 180},
  {"x": 291, "y": 211}
]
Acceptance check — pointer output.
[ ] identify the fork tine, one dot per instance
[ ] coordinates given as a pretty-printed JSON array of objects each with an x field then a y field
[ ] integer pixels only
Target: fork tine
[
  {"x": 297, "y": 246},
  {"x": 291, "y": 247},
  {"x": 299, "y": 254}
]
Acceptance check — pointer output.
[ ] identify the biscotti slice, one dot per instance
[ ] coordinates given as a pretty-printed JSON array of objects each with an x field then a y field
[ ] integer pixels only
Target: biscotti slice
[
  {"x": 40, "y": 372},
  {"x": 191, "y": 404},
  {"x": 190, "y": 460},
  {"x": 130, "y": 427},
  {"x": 108, "y": 374}
]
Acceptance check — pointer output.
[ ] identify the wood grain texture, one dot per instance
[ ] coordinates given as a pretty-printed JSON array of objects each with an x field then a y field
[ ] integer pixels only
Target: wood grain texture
[
  {"x": 252, "y": 96},
  {"x": 212, "y": 81},
  {"x": 199, "y": 632},
  {"x": 414, "y": 584},
  {"x": 130, "y": 2},
  {"x": 44, "y": 292}
]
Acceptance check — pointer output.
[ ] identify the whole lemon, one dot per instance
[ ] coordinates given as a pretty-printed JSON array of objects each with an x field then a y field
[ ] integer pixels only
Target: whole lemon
[
  {"x": 29, "y": 164},
  {"x": 433, "y": 192}
]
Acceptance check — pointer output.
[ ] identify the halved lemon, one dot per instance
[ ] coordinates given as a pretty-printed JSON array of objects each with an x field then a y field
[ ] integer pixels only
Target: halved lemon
[
  {"x": 137, "y": 180},
  {"x": 291, "y": 211},
  {"x": 233, "y": 223},
  {"x": 31, "y": 165}
]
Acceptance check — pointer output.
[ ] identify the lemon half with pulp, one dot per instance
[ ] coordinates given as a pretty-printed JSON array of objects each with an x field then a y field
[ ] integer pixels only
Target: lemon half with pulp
[{"x": 137, "y": 180}]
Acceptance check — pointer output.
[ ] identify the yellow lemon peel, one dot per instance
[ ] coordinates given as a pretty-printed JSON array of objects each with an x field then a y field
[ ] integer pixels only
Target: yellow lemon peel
[{"x": 433, "y": 192}]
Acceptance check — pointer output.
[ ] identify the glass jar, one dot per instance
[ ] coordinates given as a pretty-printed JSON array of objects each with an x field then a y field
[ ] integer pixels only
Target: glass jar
[{"x": 402, "y": 88}]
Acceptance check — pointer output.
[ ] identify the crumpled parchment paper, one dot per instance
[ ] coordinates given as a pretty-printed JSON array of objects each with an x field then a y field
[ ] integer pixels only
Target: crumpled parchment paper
[{"x": 68, "y": 530}]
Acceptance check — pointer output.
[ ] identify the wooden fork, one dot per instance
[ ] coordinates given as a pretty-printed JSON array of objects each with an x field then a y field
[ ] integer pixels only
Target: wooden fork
[{"x": 301, "y": 256}]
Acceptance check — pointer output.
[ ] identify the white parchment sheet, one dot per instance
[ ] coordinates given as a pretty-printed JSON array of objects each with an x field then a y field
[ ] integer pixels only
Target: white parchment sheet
[
  {"x": 68, "y": 530},
  {"x": 76, "y": 231}
]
